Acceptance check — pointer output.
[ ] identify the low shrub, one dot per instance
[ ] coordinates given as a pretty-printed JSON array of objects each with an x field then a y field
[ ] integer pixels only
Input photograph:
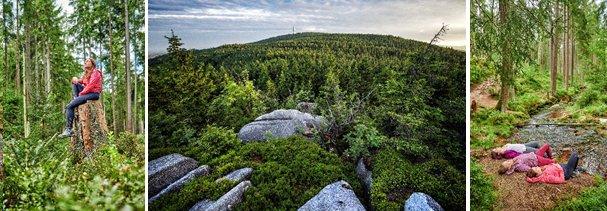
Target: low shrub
[
  {"x": 591, "y": 199},
  {"x": 482, "y": 195},
  {"x": 395, "y": 178},
  {"x": 213, "y": 142},
  {"x": 131, "y": 145},
  {"x": 286, "y": 174},
  {"x": 362, "y": 140}
]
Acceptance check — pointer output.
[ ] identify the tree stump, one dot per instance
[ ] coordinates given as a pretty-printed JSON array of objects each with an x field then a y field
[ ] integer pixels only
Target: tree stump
[{"x": 89, "y": 129}]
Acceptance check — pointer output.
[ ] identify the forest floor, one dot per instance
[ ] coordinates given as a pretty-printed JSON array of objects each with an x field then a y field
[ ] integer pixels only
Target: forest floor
[
  {"x": 481, "y": 93},
  {"x": 514, "y": 192}
]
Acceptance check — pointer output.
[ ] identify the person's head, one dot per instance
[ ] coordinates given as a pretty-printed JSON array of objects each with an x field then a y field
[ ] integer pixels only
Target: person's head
[
  {"x": 89, "y": 64},
  {"x": 534, "y": 172},
  {"x": 506, "y": 165},
  {"x": 496, "y": 153}
]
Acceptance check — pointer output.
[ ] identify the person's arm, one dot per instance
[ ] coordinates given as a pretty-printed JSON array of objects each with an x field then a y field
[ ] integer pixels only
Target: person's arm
[{"x": 95, "y": 79}]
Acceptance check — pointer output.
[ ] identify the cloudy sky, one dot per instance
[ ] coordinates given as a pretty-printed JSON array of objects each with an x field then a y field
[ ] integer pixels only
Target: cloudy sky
[{"x": 211, "y": 23}]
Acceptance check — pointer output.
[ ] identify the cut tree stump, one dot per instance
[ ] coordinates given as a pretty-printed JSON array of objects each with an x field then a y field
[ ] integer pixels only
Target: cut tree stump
[{"x": 89, "y": 129}]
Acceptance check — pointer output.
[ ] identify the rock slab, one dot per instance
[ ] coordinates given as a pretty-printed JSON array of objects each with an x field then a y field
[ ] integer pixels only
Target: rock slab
[
  {"x": 167, "y": 169},
  {"x": 279, "y": 124},
  {"x": 225, "y": 202},
  {"x": 238, "y": 175},
  {"x": 175, "y": 186},
  {"x": 336, "y": 196},
  {"x": 422, "y": 202}
]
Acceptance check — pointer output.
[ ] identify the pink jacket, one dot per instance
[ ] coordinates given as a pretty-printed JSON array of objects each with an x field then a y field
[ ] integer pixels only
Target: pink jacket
[
  {"x": 552, "y": 173},
  {"x": 93, "y": 84}
]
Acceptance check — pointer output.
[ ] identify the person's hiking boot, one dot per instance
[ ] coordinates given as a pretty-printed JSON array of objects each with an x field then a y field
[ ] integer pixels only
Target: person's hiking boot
[{"x": 66, "y": 133}]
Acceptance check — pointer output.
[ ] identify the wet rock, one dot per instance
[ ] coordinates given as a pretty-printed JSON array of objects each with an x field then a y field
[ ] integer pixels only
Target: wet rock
[
  {"x": 364, "y": 175},
  {"x": 421, "y": 201},
  {"x": 306, "y": 107},
  {"x": 238, "y": 175},
  {"x": 166, "y": 170},
  {"x": 202, "y": 170},
  {"x": 280, "y": 123},
  {"x": 225, "y": 202},
  {"x": 336, "y": 196}
]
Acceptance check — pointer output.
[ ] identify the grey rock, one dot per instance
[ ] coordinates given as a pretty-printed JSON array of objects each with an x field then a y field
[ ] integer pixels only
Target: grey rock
[
  {"x": 238, "y": 175},
  {"x": 336, "y": 196},
  {"x": 364, "y": 175},
  {"x": 200, "y": 171},
  {"x": 225, "y": 202},
  {"x": 306, "y": 107},
  {"x": 280, "y": 123},
  {"x": 423, "y": 202},
  {"x": 166, "y": 170}
]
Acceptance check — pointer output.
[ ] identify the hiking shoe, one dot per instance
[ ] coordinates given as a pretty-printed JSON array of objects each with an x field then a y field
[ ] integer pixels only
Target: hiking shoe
[{"x": 66, "y": 133}]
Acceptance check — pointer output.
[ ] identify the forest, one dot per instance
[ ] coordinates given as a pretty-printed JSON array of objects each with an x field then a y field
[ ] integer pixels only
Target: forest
[
  {"x": 44, "y": 45},
  {"x": 397, "y": 104},
  {"x": 538, "y": 73}
]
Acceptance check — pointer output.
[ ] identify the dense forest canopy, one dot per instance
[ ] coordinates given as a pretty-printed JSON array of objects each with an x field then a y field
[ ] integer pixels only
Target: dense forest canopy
[{"x": 408, "y": 94}]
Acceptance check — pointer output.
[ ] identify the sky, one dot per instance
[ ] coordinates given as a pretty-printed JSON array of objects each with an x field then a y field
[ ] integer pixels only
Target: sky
[{"x": 205, "y": 24}]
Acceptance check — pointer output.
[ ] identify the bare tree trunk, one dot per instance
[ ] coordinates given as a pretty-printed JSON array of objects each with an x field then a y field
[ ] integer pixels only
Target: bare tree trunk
[
  {"x": 506, "y": 77},
  {"x": 554, "y": 51},
  {"x": 1, "y": 141},
  {"x": 17, "y": 48},
  {"x": 5, "y": 40},
  {"x": 565, "y": 48},
  {"x": 48, "y": 69},
  {"x": 127, "y": 63},
  {"x": 113, "y": 81}
]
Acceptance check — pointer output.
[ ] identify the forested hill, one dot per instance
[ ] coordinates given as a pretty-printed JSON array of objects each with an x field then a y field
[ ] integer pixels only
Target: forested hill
[{"x": 404, "y": 96}]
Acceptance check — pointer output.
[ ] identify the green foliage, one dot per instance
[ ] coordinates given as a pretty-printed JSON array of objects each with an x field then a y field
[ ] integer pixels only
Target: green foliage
[
  {"x": 395, "y": 178},
  {"x": 488, "y": 125},
  {"x": 482, "y": 195},
  {"x": 212, "y": 143},
  {"x": 362, "y": 140},
  {"x": 480, "y": 69},
  {"x": 40, "y": 175},
  {"x": 591, "y": 199},
  {"x": 236, "y": 106},
  {"x": 286, "y": 174},
  {"x": 131, "y": 145}
]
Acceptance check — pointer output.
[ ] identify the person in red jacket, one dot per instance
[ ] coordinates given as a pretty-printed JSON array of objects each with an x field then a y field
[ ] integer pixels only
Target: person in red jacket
[
  {"x": 84, "y": 89},
  {"x": 554, "y": 173}
]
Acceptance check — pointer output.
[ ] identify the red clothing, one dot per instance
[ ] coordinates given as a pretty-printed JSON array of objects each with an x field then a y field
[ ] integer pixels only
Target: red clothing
[
  {"x": 509, "y": 154},
  {"x": 541, "y": 160},
  {"x": 92, "y": 84},
  {"x": 552, "y": 173}
]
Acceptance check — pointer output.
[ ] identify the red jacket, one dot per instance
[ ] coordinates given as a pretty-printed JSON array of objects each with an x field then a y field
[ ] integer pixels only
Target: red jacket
[
  {"x": 92, "y": 84},
  {"x": 552, "y": 173}
]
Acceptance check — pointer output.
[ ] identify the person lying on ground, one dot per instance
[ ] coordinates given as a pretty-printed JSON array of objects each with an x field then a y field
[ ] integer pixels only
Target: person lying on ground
[
  {"x": 509, "y": 151},
  {"x": 526, "y": 161},
  {"x": 84, "y": 89},
  {"x": 554, "y": 173}
]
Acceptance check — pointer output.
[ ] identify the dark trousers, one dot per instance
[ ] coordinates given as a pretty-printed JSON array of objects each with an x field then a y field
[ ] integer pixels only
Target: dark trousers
[
  {"x": 76, "y": 101},
  {"x": 570, "y": 166}
]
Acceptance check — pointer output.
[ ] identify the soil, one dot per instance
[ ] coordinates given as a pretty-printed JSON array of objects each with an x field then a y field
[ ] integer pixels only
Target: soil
[{"x": 480, "y": 94}]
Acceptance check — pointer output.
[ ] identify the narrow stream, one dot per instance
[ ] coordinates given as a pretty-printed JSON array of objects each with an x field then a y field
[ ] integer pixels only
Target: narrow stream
[{"x": 591, "y": 147}]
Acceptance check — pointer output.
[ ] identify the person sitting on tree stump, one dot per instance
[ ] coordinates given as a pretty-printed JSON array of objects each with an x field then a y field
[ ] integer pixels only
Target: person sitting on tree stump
[{"x": 84, "y": 89}]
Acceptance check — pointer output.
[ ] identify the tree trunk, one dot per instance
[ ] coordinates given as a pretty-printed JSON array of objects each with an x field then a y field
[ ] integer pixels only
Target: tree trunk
[
  {"x": 506, "y": 75},
  {"x": 47, "y": 87},
  {"x": 554, "y": 51},
  {"x": 17, "y": 48},
  {"x": 129, "y": 112},
  {"x": 112, "y": 80},
  {"x": 90, "y": 129},
  {"x": 1, "y": 141},
  {"x": 5, "y": 40}
]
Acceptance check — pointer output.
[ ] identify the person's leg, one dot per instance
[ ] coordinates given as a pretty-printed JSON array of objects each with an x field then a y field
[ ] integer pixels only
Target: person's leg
[
  {"x": 544, "y": 151},
  {"x": 69, "y": 109},
  {"x": 571, "y": 165},
  {"x": 76, "y": 89},
  {"x": 533, "y": 144}
]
